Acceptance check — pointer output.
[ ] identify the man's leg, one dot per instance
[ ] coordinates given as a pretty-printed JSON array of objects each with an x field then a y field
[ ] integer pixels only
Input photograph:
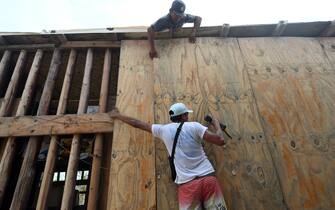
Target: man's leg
[
  {"x": 189, "y": 195},
  {"x": 212, "y": 195}
]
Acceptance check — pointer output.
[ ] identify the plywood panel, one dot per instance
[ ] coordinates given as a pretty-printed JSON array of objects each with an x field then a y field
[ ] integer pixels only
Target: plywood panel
[
  {"x": 294, "y": 85},
  {"x": 209, "y": 77},
  {"x": 132, "y": 174}
]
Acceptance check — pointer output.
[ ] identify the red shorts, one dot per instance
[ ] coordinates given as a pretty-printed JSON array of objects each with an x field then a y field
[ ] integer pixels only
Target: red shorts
[{"x": 201, "y": 193}]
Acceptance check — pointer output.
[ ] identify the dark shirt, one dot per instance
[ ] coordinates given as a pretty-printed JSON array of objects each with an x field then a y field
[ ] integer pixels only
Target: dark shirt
[{"x": 166, "y": 22}]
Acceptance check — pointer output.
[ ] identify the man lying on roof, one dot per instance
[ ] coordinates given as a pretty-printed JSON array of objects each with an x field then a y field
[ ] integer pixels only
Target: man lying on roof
[{"x": 172, "y": 21}]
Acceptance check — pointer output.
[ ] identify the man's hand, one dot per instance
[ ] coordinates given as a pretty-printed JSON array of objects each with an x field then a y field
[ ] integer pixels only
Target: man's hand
[
  {"x": 115, "y": 113},
  {"x": 192, "y": 38},
  {"x": 153, "y": 54}
]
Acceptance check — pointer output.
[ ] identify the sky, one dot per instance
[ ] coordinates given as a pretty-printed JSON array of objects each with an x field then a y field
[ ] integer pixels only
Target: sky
[{"x": 39, "y": 15}]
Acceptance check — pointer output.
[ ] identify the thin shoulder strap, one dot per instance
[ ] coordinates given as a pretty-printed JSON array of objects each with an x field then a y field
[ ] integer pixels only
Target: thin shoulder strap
[{"x": 175, "y": 140}]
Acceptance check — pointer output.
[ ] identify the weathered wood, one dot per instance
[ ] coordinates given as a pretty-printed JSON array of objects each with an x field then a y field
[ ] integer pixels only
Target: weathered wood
[
  {"x": 52, "y": 152},
  {"x": 3, "y": 64},
  {"x": 8, "y": 155},
  {"x": 55, "y": 125},
  {"x": 293, "y": 83},
  {"x": 11, "y": 89},
  {"x": 68, "y": 195},
  {"x": 330, "y": 30},
  {"x": 224, "y": 31},
  {"x": 62, "y": 38},
  {"x": 27, "y": 47},
  {"x": 27, "y": 172},
  {"x": 280, "y": 28},
  {"x": 92, "y": 44},
  {"x": 2, "y": 40},
  {"x": 210, "y": 78},
  {"x": 132, "y": 183},
  {"x": 98, "y": 143}
]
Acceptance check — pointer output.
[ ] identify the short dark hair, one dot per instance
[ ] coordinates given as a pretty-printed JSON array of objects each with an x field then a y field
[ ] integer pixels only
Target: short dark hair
[{"x": 176, "y": 119}]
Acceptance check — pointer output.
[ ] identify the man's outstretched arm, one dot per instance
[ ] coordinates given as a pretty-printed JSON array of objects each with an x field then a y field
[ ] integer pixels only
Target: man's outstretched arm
[
  {"x": 151, "y": 38},
  {"x": 217, "y": 137},
  {"x": 115, "y": 114},
  {"x": 195, "y": 28}
]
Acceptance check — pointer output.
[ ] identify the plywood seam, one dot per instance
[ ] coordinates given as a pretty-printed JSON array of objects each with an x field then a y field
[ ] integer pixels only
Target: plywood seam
[{"x": 262, "y": 123}]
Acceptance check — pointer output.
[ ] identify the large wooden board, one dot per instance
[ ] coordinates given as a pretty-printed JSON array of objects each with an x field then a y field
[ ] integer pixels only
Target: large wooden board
[
  {"x": 132, "y": 173},
  {"x": 210, "y": 78},
  {"x": 294, "y": 85}
]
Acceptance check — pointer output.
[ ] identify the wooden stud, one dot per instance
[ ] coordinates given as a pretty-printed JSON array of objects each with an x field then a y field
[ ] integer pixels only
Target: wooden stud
[
  {"x": 70, "y": 181},
  {"x": 52, "y": 152},
  {"x": 224, "y": 31},
  {"x": 278, "y": 31},
  {"x": 27, "y": 172},
  {"x": 3, "y": 64},
  {"x": 8, "y": 155},
  {"x": 98, "y": 143},
  {"x": 11, "y": 89},
  {"x": 330, "y": 30}
]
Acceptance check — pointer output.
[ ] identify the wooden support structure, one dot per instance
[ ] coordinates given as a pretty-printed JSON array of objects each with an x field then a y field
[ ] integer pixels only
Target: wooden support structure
[
  {"x": 70, "y": 181},
  {"x": 280, "y": 28},
  {"x": 3, "y": 64},
  {"x": 27, "y": 172},
  {"x": 62, "y": 38},
  {"x": 11, "y": 89},
  {"x": 224, "y": 30},
  {"x": 8, "y": 155},
  {"x": 52, "y": 152},
  {"x": 65, "y": 45},
  {"x": 330, "y": 30},
  {"x": 46, "y": 125},
  {"x": 98, "y": 144}
]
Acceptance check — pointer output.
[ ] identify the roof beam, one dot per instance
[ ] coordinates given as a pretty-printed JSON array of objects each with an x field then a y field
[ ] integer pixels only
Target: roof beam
[
  {"x": 62, "y": 38},
  {"x": 68, "y": 44},
  {"x": 278, "y": 31},
  {"x": 224, "y": 31},
  {"x": 2, "y": 40},
  {"x": 330, "y": 30}
]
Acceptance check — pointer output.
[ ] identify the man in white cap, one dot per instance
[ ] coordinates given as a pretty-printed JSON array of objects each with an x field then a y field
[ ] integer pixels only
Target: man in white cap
[
  {"x": 198, "y": 187},
  {"x": 172, "y": 21}
]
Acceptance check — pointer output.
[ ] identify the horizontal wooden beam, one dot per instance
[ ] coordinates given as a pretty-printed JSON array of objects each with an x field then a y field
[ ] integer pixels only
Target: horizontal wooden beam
[
  {"x": 278, "y": 31},
  {"x": 68, "y": 44},
  {"x": 330, "y": 30},
  {"x": 2, "y": 40},
  {"x": 55, "y": 125}
]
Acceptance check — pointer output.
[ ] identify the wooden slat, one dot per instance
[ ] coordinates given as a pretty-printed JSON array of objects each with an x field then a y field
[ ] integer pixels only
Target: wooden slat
[
  {"x": 27, "y": 47},
  {"x": 132, "y": 183},
  {"x": 55, "y": 125},
  {"x": 3, "y": 64},
  {"x": 11, "y": 89},
  {"x": 209, "y": 78},
  {"x": 2, "y": 40},
  {"x": 52, "y": 152},
  {"x": 224, "y": 31},
  {"x": 280, "y": 28},
  {"x": 7, "y": 157},
  {"x": 293, "y": 82},
  {"x": 98, "y": 143},
  {"x": 68, "y": 195},
  {"x": 27, "y": 172}
]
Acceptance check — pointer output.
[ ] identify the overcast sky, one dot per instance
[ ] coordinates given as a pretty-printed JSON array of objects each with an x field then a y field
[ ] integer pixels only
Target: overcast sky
[{"x": 36, "y": 15}]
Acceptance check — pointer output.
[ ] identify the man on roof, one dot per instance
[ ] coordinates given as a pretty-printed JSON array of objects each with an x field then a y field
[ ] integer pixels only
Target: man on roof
[{"x": 172, "y": 21}]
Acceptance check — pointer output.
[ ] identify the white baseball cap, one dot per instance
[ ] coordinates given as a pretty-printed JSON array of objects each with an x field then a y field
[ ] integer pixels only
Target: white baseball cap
[{"x": 178, "y": 109}]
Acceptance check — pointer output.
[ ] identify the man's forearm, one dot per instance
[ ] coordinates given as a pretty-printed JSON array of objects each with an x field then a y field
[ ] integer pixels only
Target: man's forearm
[
  {"x": 134, "y": 122},
  {"x": 151, "y": 38},
  {"x": 197, "y": 24}
]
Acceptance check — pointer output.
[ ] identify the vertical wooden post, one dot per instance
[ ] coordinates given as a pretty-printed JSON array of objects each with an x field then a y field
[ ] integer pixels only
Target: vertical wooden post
[
  {"x": 11, "y": 89},
  {"x": 98, "y": 144},
  {"x": 27, "y": 172},
  {"x": 70, "y": 181},
  {"x": 52, "y": 152},
  {"x": 3, "y": 64},
  {"x": 7, "y": 157}
]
